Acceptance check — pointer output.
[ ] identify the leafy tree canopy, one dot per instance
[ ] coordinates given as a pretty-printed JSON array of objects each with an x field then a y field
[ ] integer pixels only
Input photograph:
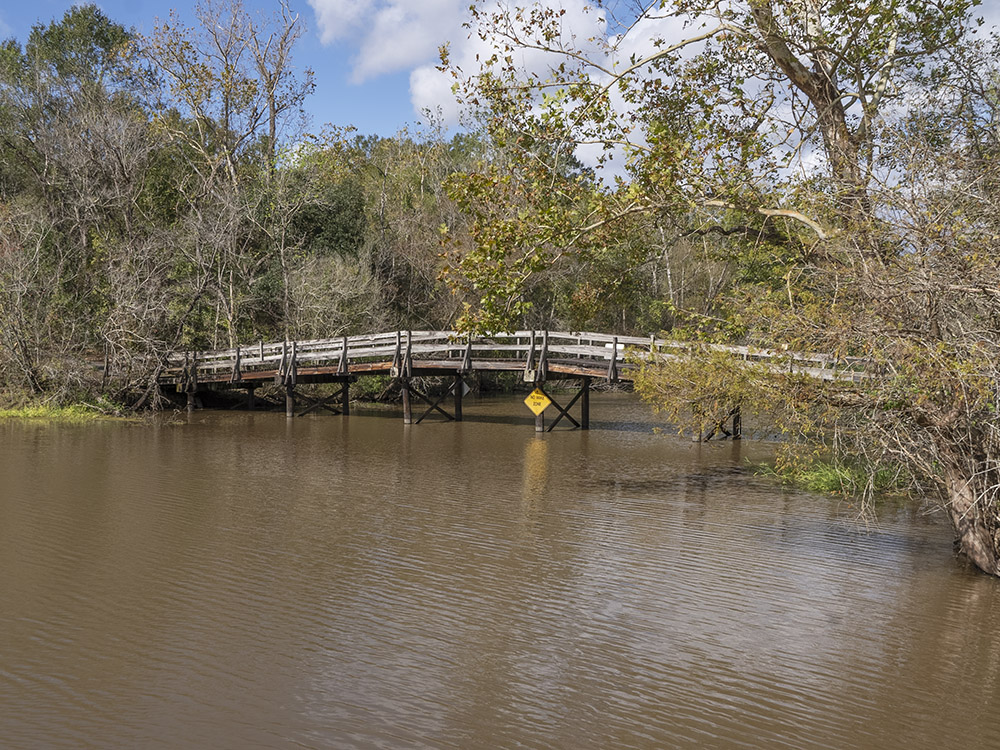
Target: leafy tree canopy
[{"x": 837, "y": 158}]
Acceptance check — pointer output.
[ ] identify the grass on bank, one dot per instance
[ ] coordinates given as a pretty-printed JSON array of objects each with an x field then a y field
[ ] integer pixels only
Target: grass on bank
[
  {"x": 839, "y": 478},
  {"x": 71, "y": 414}
]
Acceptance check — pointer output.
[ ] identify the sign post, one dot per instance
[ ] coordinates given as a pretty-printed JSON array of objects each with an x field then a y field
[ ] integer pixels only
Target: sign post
[{"x": 538, "y": 402}]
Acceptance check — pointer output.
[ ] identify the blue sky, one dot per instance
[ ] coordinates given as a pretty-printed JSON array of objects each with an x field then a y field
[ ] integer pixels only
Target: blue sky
[{"x": 363, "y": 52}]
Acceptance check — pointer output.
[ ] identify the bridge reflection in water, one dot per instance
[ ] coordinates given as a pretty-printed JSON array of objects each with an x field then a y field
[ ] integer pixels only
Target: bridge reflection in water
[{"x": 540, "y": 356}]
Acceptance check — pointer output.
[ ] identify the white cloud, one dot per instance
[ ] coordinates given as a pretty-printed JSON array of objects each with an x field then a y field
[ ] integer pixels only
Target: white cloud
[
  {"x": 390, "y": 35},
  {"x": 431, "y": 90},
  {"x": 584, "y": 27},
  {"x": 404, "y": 34},
  {"x": 396, "y": 35},
  {"x": 339, "y": 19}
]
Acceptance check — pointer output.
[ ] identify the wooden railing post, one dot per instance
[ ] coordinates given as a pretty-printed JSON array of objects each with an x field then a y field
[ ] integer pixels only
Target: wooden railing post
[
  {"x": 408, "y": 360},
  {"x": 237, "y": 376},
  {"x": 191, "y": 380},
  {"x": 529, "y": 364},
  {"x": 543, "y": 359},
  {"x": 290, "y": 376},
  {"x": 613, "y": 364},
  {"x": 342, "y": 368},
  {"x": 467, "y": 357}
]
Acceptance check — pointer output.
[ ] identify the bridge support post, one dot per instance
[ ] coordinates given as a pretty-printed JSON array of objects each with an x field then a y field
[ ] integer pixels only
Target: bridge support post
[
  {"x": 736, "y": 434},
  {"x": 407, "y": 412},
  {"x": 585, "y": 404},
  {"x": 190, "y": 381},
  {"x": 459, "y": 387},
  {"x": 345, "y": 399},
  {"x": 289, "y": 400}
]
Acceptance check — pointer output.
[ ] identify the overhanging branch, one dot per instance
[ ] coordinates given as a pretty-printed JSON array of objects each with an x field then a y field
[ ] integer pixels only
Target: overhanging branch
[{"x": 783, "y": 212}]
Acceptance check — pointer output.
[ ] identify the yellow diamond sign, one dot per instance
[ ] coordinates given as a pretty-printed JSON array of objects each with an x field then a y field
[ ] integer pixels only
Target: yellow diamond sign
[{"x": 537, "y": 401}]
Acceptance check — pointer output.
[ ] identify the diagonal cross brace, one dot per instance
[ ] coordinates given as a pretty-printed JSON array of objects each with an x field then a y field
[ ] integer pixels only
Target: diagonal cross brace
[
  {"x": 322, "y": 403},
  {"x": 436, "y": 404},
  {"x": 563, "y": 412}
]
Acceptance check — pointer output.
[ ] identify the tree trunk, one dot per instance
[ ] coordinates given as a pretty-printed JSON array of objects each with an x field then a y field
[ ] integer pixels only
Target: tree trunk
[
  {"x": 272, "y": 128},
  {"x": 821, "y": 88},
  {"x": 977, "y": 527}
]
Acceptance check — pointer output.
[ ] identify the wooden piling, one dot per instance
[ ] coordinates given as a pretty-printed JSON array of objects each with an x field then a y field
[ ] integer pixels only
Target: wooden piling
[
  {"x": 289, "y": 400},
  {"x": 345, "y": 399},
  {"x": 459, "y": 387},
  {"x": 585, "y": 404},
  {"x": 540, "y": 422},
  {"x": 405, "y": 388}
]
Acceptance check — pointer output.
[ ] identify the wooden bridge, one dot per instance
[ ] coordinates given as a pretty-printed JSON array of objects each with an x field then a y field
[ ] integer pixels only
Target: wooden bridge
[{"x": 539, "y": 356}]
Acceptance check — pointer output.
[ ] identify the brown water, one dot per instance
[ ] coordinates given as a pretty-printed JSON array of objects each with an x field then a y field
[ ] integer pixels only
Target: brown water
[{"x": 246, "y": 582}]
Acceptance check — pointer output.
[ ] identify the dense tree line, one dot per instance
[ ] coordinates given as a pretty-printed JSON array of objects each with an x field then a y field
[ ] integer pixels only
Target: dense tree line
[{"x": 158, "y": 194}]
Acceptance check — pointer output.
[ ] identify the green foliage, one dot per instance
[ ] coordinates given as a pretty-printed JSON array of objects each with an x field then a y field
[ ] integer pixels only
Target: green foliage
[
  {"x": 372, "y": 387},
  {"x": 84, "y": 48},
  {"x": 712, "y": 128},
  {"x": 881, "y": 255},
  {"x": 850, "y": 480},
  {"x": 333, "y": 223},
  {"x": 72, "y": 414}
]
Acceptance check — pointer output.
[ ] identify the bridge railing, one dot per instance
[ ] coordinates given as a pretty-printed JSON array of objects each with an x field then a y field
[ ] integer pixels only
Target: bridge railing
[{"x": 533, "y": 349}]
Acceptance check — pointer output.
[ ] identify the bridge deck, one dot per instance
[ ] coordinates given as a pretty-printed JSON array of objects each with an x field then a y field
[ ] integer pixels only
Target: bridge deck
[{"x": 420, "y": 368}]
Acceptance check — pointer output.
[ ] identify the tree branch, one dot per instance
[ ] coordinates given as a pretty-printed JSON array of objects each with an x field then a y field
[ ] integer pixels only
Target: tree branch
[{"x": 783, "y": 212}]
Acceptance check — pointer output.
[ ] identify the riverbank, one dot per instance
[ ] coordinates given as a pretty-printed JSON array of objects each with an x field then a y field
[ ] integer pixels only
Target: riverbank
[
  {"x": 865, "y": 487},
  {"x": 71, "y": 414}
]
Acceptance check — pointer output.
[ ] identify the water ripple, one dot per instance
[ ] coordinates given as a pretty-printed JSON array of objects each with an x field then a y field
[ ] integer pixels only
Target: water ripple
[{"x": 244, "y": 581}]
